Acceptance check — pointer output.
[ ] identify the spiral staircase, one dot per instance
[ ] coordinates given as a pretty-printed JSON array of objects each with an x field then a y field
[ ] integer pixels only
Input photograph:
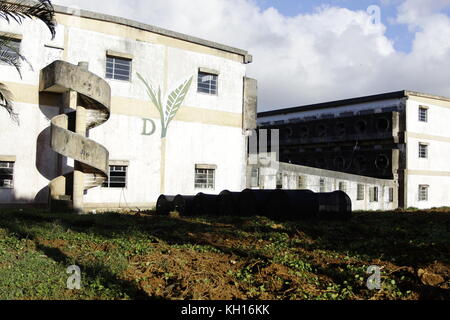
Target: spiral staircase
[{"x": 87, "y": 100}]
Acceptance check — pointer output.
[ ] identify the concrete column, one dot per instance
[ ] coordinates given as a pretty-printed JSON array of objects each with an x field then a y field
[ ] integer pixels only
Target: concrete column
[{"x": 78, "y": 174}]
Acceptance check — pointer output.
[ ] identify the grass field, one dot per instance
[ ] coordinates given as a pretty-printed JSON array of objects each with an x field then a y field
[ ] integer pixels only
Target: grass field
[{"x": 139, "y": 256}]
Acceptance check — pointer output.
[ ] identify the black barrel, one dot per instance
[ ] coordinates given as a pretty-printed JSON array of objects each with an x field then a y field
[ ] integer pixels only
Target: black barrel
[
  {"x": 293, "y": 205},
  {"x": 165, "y": 205},
  {"x": 206, "y": 204},
  {"x": 228, "y": 203},
  {"x": 254, "y": 202},
  {"x": 184, "y": 205},
  {"x": 335, "y": 205}
]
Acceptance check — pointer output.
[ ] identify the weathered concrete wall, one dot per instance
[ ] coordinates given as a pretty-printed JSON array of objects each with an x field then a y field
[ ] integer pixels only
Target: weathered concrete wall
[
  {"x": 207, "y": 129},
  {"x": 250, "y": 103}
]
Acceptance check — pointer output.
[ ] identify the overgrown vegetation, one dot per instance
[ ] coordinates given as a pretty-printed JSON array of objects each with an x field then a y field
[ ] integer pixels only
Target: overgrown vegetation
[{"x": 147, "y": 257}]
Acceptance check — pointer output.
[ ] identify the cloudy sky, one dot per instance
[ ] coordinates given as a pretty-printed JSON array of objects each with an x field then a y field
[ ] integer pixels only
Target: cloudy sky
[{"x": 312, "y": 51}]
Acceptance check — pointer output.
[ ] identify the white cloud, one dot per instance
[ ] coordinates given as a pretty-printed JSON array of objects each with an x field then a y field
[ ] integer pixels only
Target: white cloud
[{"x": 329, "y": 54}]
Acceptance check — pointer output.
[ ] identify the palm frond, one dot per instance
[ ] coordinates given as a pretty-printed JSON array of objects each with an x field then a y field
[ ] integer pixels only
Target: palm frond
[
  {"x": 19, "y": 10},
  {"x": 175, "y": 100},
  {"x": 10, "y": 55},
  {"x": 6, "y": 98}
]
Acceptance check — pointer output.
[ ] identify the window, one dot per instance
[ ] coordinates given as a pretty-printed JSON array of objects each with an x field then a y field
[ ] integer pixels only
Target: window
[
  {"x": 280, "y": 180},
  {"x": 360, "y": 193},
  {"x": 12, "y": 49},
  {"x": 205, "y": 177},
  {"x": 374, "y": 194},
  {"x": 118, "y": 68},
  {"x": 117, "y": 177},
  {"x": 207, "y": 83},
  {"x": 301, "y": 183},
  {"x": 423, "y": 114},
  {"x": 322, "y": 185},
  {"x": 255, "y": 178},
  {"x": 391, "y": 195},
  {"x": 343, "y": 187},
  {"x": 423, "y": 151},
  {"x": 423, "y": 192},
  {"x": 6, "y": 174}
]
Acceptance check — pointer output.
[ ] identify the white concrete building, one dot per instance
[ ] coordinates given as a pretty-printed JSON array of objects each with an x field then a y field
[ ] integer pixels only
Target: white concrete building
[
  {"x": 205, "y": 146},
  {"x": 410, "y": 132}
]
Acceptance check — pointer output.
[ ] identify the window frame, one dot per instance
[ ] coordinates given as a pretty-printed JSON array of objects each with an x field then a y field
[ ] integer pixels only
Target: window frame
[
  {"x": 374, "y": 194},
  {"x": 391, "y": 195},
  {"x": 423, "y": 150},
  {"x": 208, "y": 185},
  {"x": 107, "y": 184},
  {"x": 423, "y": 111},
  {"x": 215, "y": 77},
  {"x": 426, "y": 188},
  {"x": 322, "y": 185},
  {"x": 16, "y": 40},
  {"x": 360, "y": 192},
  {"x": 113, "y": 74},
  {"x": 11, "y": 166}
]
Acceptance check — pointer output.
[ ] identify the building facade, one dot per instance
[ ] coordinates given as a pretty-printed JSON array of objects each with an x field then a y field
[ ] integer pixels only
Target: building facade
[
  {"x": 198, "y": 146},
  {"x": 399, "y": 137}
]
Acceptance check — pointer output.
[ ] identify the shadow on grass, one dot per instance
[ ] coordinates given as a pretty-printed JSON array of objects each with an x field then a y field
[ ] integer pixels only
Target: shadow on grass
[{"x": 412, "y": 240}]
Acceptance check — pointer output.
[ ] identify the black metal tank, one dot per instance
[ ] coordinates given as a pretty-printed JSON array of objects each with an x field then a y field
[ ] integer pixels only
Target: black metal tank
[
  {"x": 184, "y": 205},
  {"x": 165, "y": 205},
  {"x": 254, "y": 202},
  {"x": 293, "y": 205},
  {"x": 335, "y": 205},
  {"x": 206, "y": 204},
  {"x": 228, "y": 203}
]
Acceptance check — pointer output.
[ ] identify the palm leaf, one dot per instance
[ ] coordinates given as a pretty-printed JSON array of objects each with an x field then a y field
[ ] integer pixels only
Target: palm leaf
[
  {"x": 6, "y": 98},
  {"x": 175, "y": 101},
  {"x": 19, "y": 10},
  {"x": 13, "y": 59}
]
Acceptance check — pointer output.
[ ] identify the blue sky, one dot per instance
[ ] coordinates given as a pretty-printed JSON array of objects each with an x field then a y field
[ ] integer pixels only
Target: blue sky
[
  {"x": 399, "y": 33},
  {"x": 304, "y": 55}
]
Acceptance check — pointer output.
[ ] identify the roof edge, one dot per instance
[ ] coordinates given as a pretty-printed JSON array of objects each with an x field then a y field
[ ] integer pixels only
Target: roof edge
[
  {"x": 331, "y": 104},
  {"x": 247, "y": 58}
]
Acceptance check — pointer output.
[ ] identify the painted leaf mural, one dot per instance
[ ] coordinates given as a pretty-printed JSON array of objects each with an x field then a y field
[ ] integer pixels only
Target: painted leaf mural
[
  {"x": 173, "y": 105},
  {"x": 175, "y": 100}
]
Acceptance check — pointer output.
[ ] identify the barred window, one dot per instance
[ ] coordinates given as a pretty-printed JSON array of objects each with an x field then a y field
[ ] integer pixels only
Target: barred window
[
  {"x": 343, "y": 187},
  {"x": 117, "y": 177},
  {"x": 280, "y": 180},
  {"x": 322, "y": 185},
  {"x": 391, "y": 195},
  {"x": 6, "y": 174},
  {"x": 374, "y": 193},
  {"x": 205, "y": 178},
  {"x": 12, "y": 49},
  {"x": 360, "y": 193},
  {"x": 118, "y": 68},
  {"x": 207, "y": 83},
  {"x": 423, "y": 151},
  {"x": 423, "y": 114},
  {"x": 423, "y": 192}
]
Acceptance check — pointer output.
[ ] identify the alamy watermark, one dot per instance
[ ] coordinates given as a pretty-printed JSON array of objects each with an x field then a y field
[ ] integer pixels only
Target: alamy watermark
[
  {"x": 374, "y": 12},
  {"x": 374, "y": 281},
  {"x": 74, "y": 281},
  {"x": 259, "y": 154}
]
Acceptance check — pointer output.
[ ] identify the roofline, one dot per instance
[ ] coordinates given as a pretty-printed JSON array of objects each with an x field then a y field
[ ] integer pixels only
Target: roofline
[
  {"x": 247, "y": 58},
  {"x": 332, "y": 104}
]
